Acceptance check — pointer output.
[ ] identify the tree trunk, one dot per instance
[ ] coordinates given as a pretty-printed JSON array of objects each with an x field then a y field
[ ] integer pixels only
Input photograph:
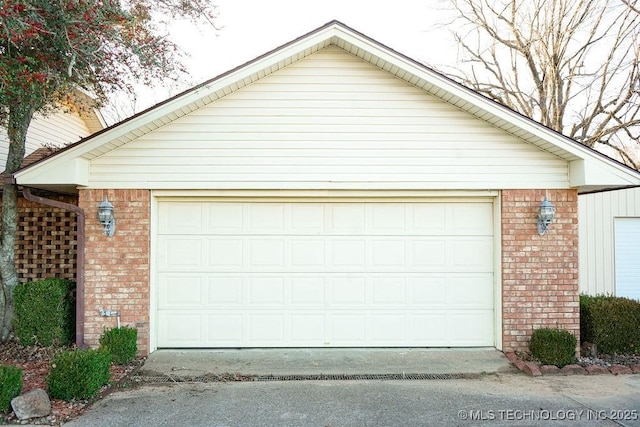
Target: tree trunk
[{"x": 17, "y": 125}]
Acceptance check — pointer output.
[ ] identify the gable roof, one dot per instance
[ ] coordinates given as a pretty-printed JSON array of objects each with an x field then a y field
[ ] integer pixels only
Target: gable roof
[{"x": 589, "y": 170}]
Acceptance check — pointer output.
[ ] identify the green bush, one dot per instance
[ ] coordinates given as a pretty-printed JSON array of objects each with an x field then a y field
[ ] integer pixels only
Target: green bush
[
  {"x": 78, "y": 374},
  {"x": 611, "y": 323},
  {"x": 10, "y": 385},
  {"x": 45, "y": 312},
  {"x": 553, "y": 346},
  {"x": 121, "y": 343}
]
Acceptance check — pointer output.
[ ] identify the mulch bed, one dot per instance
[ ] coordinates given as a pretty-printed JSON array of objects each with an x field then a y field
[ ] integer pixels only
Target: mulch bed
[{"x": 35, "y": 364}]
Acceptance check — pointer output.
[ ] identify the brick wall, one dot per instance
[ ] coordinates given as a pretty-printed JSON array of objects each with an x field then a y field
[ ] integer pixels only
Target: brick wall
[
  {"x": 46, "y": 240},
  {"x": 539, "y": 273},
  {"x": 117, "y": 268}
]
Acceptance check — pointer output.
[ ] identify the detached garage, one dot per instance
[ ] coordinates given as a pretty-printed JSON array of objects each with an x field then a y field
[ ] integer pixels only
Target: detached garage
[{"x": 330, "y": 193}]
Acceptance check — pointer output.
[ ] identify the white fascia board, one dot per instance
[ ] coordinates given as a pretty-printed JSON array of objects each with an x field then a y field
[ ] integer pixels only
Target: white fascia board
[
  {"x": 589, "y": 173},
  {"x": 74, "y": 172}
]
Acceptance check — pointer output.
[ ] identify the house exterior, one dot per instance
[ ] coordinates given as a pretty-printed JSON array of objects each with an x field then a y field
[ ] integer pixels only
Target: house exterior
[
  {"x": 610, "y": 242},
  {"x": 46, "y": 240},
  {"x": 330, "y": 193}
]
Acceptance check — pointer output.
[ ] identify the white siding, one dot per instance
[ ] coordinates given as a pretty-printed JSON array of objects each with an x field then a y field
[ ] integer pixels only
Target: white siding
[
  {"x": 597, "y": 213},
  {"x": 56, "y": 129},
  {"x": 328, "y": 121}
]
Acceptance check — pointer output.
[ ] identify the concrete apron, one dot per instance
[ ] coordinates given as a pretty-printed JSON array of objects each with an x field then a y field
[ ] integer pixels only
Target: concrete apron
[{"x": 309, "y": 362}]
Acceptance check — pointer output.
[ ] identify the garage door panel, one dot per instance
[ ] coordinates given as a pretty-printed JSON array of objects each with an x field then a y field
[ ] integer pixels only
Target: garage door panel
[
  {"x": 473, "y": 291},
  {"x": 324, "y": 274},
  {"x": 266, "y": 253},
  {"x": 180, "y": 218},
  {"x": 389, "y": 219},
  {"x": 266, "y": 218},
  {"x": 224, "y": 290},
  {"x": 223, "y": 218},
  {"x": 265, "y": 330},
  {"x": 266, "y": 291},
  {"x": 388, "y": 291},
  {"x": 470, "y": 219},
  {"x": 176, "y": 253},
  {"x": 430, "y": 328},
  {"x": 180, "y": 290},
  {"x": 224, "y": 330},
  {"x": 225, "y": 253},
  {"x": 468, "y": 327},
  {"x": 347, "y": 329},
  {"x": 348, "y": 291},
  {"x": 181, "y": 329},
  {"x": 307, "y": 329},
  {"x": 307, "y": 253},
  {"x": 388, "y": 253},
  {"x": 471, "y": 254},
  {"x": 308, "y": 291}
]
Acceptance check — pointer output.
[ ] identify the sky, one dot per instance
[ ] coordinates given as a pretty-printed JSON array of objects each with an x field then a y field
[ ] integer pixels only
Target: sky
[{"x": 249, "y": 28}]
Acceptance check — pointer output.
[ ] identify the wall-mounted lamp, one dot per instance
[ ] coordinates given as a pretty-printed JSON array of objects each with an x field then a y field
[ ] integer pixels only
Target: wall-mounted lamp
[
  {"x": 106, "y": 218},
  {"x": 546, "y": 212}
]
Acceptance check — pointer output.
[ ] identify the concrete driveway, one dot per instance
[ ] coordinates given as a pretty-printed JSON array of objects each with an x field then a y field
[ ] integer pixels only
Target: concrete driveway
[
  {"x": 495, "y": 399},
  {"x": 490, "y": 391}
]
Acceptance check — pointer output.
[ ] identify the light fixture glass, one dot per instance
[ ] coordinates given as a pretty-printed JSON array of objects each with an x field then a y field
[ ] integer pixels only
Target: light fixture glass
[
  {"x": 106, "y": 218},
  {"x": 546, "y": 213}
]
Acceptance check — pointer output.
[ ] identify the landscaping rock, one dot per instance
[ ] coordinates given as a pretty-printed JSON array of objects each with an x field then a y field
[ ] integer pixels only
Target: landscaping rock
[
  {"x": 573, "y": 370},
  {"x": 33, "y": 404},
  {"x": 512, "y": 357},
  {"x": 550, "y": 370},
  {"x": 620, "y": 370},
  {"x": 635, "y": 369},
  {"x": 531, "y": 369},
  {"x": 596, "y": 370},
  {"x": 519, "y": 364}
]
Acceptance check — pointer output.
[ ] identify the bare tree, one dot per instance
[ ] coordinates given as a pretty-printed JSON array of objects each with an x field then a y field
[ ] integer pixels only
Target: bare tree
[{"x": 572, "y": 65}]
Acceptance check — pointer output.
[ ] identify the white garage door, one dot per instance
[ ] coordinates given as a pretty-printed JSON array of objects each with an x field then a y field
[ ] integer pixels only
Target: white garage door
[
  {"x": 627, "y": 257},
  {"x": 324, "y": 274}
]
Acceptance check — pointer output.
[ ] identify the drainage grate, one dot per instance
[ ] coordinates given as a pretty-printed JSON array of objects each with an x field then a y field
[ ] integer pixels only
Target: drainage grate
[{"x": 319, "y": 377}]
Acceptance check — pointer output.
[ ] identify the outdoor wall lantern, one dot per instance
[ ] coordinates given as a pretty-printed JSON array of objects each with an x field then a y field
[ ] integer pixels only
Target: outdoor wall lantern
[
  {"x": 546, "y": 212},
  {"x": 105, "y": 216}
]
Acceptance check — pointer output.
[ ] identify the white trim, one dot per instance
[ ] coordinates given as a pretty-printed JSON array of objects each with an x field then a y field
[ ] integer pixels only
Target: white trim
[
  {"x": 153, "y": 298},
  {"x": 497, "y": 269}
]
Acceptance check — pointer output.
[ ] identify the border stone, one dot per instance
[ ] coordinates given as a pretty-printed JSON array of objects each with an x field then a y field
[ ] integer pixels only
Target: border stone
[
  {"x": 519, "y": 364},
  {"x": 620, "y": 370},
  {"x": 511, "y": 356},
  {"x": 596, "y": 370},
  {"x": 531, "y": 369},
  {"x": 573, "y": 370},
  {"x": 550, "y": 370},
  {"x": 635, "y": 369}
]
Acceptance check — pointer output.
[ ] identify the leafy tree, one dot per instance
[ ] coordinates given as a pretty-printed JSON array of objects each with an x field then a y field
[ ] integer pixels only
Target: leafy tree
[
  {"x": 572, "y": 65},
  {"x": 51, "y": 49}
]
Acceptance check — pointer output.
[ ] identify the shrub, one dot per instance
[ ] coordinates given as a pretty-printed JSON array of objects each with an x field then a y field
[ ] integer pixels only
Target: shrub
[
  {"x": 45, "y": 312},
  {"x": 611, "y": 323},
  {"x": 121, "y": 343},
  {"x": 553, "y": 346},
  {"x": 10, "y": 385},
  {"x": 78, "y": 374}
]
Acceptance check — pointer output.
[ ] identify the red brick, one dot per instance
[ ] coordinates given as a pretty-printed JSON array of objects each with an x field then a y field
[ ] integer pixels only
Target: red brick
[
  {"x": 118, "y": 268},
  {"x": 540, "y": 285}
]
